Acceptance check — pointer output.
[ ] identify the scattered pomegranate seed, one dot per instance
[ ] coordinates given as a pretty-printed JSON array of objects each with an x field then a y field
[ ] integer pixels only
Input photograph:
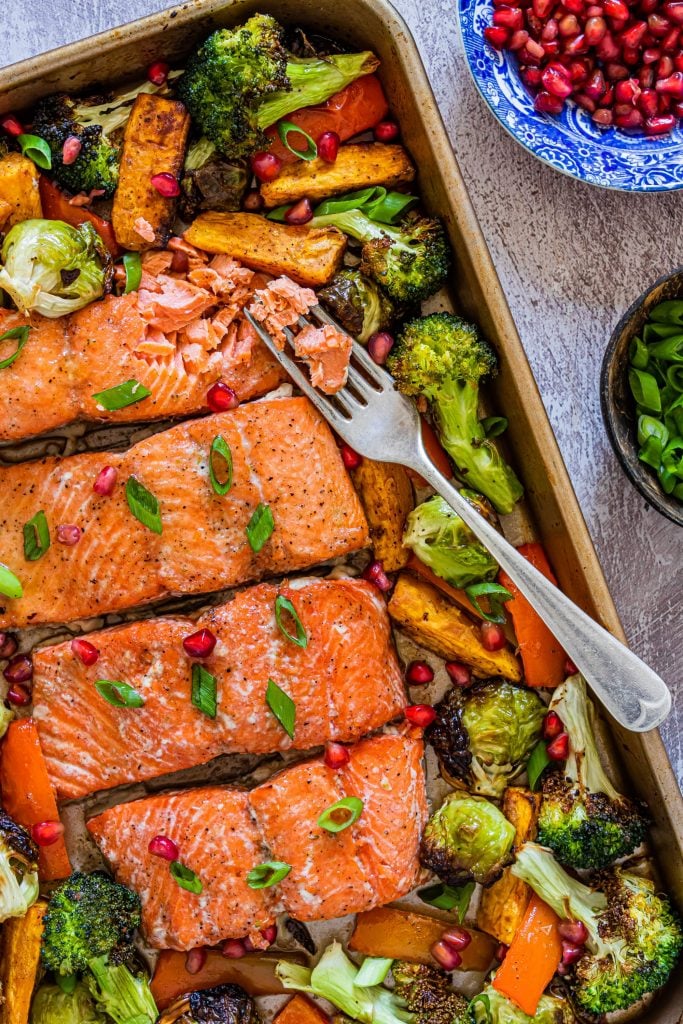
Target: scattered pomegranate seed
[
  {"x": 571, "y": 953},
  {"x": 458, "y": 938},
  {"x": 519, "y": 39},
  {"x": 350, "y": 458},
  {"x": 199, "y": 644},
  {"x": 420, "y": 714},
  {"x": 501, "y": 952},
  {"x": 266, "y": 166},
  {"x": 71, "y": 150},
  {"x": 460, "y": 674},
  {"x": 573, "y": 931},
  {"x": 8, "y": 645},
  {"x": 18, "y": 669},
  {"x": 269, "y": 934},
  {"x": 45, "y": 833},
  {"x": 557, "y": 81},
  {"x": 253, "y": 201},
  {"x": 105, "y": 481},
  {"x": 570, "y": 668},
  {"x": 497, "y": 37},
  {"x": 446, "y": 956},
  {"x": 68, "y": 535},
  {"x": 379, "y": 347},
  {"x": 647, "y": 103},
  {"x": 220, "y": 397},
  {"x": 234, "y": 949},
  {"x": 162, "y": 846},
  {"x": 86, "y": 652},
  {"x": 419, "y": 673},
  {"x": 552, "y": 726},
  {"x": 375, "y": 574},
  {"x": 336, "y": 755},
  {"x": 180, "y": 262},
  {"x": 195, "y": 960},
  {"x": 19, "y": 696},
  {"x": 558, "y": 749},
  {"x": 157, "y": 73},
  {"x": 508, "y": 17},
  {"x": 300, "y": 213},
  {"x": 660, "y": 125},
  {"x": 12, "y": 125},
  {"x": 328, "y": 147},
  {"x": 492, "y": 636},
  {"x": 547, "y": 104},
  {"x": 386, "y": 131},
  {"x": 166, "y": 184},
  {"x": 673, "y": 85}
]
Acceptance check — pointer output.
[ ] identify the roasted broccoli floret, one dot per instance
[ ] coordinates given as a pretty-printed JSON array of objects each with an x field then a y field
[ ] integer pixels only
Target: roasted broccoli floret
[
  {"x": 440, "y": 539},
  {"x": 467, "y": 839},
  {"x": 492, "y": 1007},
  {"x": 427, "y": 993},
  {"x": 224, "y": 1004},
  {"x": 51, "y": 1005},
  {"x": 242, "y": 80},
  {"x": 483, "y": 735},
  {"x": 89, "y": 916},
  {"x": 634, "y": 937},
  {"x": 444, "y": 359},
  {"x": 121, "y": 994},
  {"x": 18, "y": 869},
  {"x": 210, "y": 182},
  {"x": 585, "y": 821},
  {"x": 359, "y": 305}
]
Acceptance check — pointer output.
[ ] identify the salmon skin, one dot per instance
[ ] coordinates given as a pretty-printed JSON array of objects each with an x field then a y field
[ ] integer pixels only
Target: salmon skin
[
  {"x": 222, "y": 833},
  {"x": 345, "y": 683},
  {"x": 283, "y": 457}
]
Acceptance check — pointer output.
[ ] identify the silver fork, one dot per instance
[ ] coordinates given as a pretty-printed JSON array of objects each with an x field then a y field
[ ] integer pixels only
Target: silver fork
[{"x": 382, "y": 424}]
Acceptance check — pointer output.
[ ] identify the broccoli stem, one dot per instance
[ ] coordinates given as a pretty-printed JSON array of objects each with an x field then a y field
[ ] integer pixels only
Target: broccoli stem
[
  {"x": 313, "y": 81},
  {"x": 356, "y": 224},
  {"x": 119, "y": 993},
  {"x": 572, "y": 704}
]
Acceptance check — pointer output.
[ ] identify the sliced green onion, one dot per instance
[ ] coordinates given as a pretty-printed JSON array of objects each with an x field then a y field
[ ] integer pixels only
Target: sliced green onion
[
  {"x": 645, "y": 390},
  {"x": 204, "y": 690},
  {"x": 638, "y": 353},
  {"x": 121, "y": 395},
  {"x": 282, "y": 706},
  {"x": 18, "y": 334},
  {"x": 537, "y": 764},
  {"x": 221, "y": 449},
  {"x": 285, "y": 129},
  {"x": 269, "y": 873},
  {"x": 653, "y": 331},
  {"x": 278, "y": 213},
  {"x": 672, "y": 456},
  {"x": 283, "y": 604},
  {"x": 668, "y": 349},
  {"x": 673, "y": 416},
  {"x": 66, "y": 982},
  {"x": 132, "y": 264},
  {"x": 373, "y": 971},
  {"x": 651, "y": 452},
  {"x": 494, "y": 426},
  {"x": 260, "y": 527},
  {"x": 447, "y": 897},
  {"x": 648, "y": 426},
  {"x": 670, "y": 312},
  {"x": 36, "y": 149},
  {"x": 143, "y": 504},
  {"x": 496, "y": 595},
  {"x": 391, "y": 208},
  {"x": 341, "y": 815},
  {"x": 118, "y": 694},
  {"x": 185, "y": 877},
  {"x": 674, "y": 376},
  {"x": 10, "y": 585},
  {"x": 36, "y": 537},
  {"x": 375, "y": 202}
]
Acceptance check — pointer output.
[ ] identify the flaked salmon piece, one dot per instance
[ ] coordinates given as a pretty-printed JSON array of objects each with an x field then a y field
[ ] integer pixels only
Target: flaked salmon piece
[
  {"x": 176, "y": 305},
  {"x": 345, "y": 683},
  {"x": 327, "y": 351},
  {"x": 284, "y": 456},
  {"x": 330, "y": 875},
  {"x": 280, "y": 304}
]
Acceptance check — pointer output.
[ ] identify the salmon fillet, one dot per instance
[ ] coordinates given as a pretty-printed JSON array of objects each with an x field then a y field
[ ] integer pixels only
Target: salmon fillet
[
  {"x": 345, "y": 683},
  {"x": 367, "y": 864},
  {"x": 284, "y": 456}
]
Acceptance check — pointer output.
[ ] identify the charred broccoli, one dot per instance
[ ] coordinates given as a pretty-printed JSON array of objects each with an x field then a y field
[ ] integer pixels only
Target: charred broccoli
[
  {"x": 440, "y": 539},
  {"x": 634, "y": 937},
  {"x": 210, "y": 182},
  {"x": 445, "y": 359},
  {"x": 467, "y": 839},
  {"x": 358, "y": 304},
  {"x": 492, "y": 1007},
  {"x": 240, "y": 81},
  {"x": 51, "y": 1005},
  {"x": 484, "y": 735},
  {"x": 427, "y": 993},
  {"x": 584, "y": 820},
  {"x": 224, "y": 1004},
  {"x": 18, "y": 869}
]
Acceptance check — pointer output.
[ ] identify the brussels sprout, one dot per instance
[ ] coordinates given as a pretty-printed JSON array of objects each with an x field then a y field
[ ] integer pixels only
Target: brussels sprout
[
  {"x": 210, "y": 182},
  {"x": 440, "y": 539},
  {"x": 53, "y": 268},
  {"x": 360, "y": 306},
  {"x": 467, "y": 839},
  {"x": 51, "y": 1005},
  {"x": 492, "y": 1007}
]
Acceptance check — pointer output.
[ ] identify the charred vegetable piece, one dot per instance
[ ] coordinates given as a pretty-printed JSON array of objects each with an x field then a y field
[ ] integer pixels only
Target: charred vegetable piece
[
  {"x": 19, "y": 194},
  {"x": 427, "y": 993},
  {"x": 210, "y": 182},
  {"x": 18, "y": 869},
  {"x": 360, "y": 305},
  {"x": 492, "y": 1007},
  {"x": 443, "y": 541},
  {"x": 386, "y": 494},
  {"x": 467, "y": 839},
  {"x": 20, "y": 963},
  {"x": 224, "y": 1004}
]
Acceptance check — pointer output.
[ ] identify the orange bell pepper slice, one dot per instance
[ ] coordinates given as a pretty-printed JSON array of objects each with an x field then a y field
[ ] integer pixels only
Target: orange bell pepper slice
[
  {"x": 56, "y": 206},
  {"x": 532, "y": 959}
]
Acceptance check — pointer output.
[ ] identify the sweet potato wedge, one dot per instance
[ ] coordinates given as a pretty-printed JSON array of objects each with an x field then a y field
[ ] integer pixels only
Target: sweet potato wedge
[
  {"x": 310, "y": 256},
  {"x": 19, "y": 195},
  {"x": 19, "y": 963},
  {"x": 386, "y": 494},
  {"x": 358, "y": 165},
  {"x": 154, "y": 143},
  {"x": 405, "y": 935},
  {"x": 503, "y": 905},
  {"x": 300, "y": 1010},
  {"x": 432, "y": 621}
]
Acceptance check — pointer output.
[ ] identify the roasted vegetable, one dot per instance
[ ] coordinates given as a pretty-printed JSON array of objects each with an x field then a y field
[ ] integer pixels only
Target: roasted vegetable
[
  {"x": 53, "y": 268},
  {"x": 56, "y": 206},
  {"x": 309, "y": 257},
  {"x": 19, "y": 195},
  {"x": 386, "y": 494},
  {"x": 254, "y": 972},
  {"x": 20, "y": 963},
  {"x": 444, "y": 359},
  {"x": 51, "y": 1005},
  {"x": 154, "y": 143},
  {"x": 123, "y": 995},
  {"x": 427, "y": 993},
  {"x": 483, "y": 735},
  {"x": 210, "y": 182},
  {"x": 492, "y": 1007},
  {"x": 242, "y": 80},
  {"x": 18, "y": 869},
  {"x": 440, "y": 538},
  {"x": 584, "y": 820},
  {"x": 467, "y": 839},
  {"x": 300, "y": 1010},
  {"x": 224, "y": 1004},
  {"x": 434, "y": 622},
  {"x": 360, "y": 306},
  {"x": 634, "y": 937},
  {"x": 533, "y": 957}
]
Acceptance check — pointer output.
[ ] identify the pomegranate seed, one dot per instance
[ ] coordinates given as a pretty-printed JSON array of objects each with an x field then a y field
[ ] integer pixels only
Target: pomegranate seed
[
  {"x": 550, "y": 30},
  {"x": 166, "y": 184},
  {"x": 157, "y": 73},
  {"x": 386, "y": 131},
  {"x": 558, "y": 749},
  {"x": 105, "y": 481},
  {"x": 459, "y": 674},
  {"x": 674, "y": 12},
  {"x": 595, "y": 30},
  {"x": 501, "y": 952},
  {"x": 648, "y": 6},
  {"x": 266, "y": 166},
  {"x": 71, "y": 150},
  {"x": 658, "y": 25},
  {"x": 571, "y": 953},
  {"x": 669, "y": 43},
  {"x": 420, "y": 714},
  {"x": 253, "y": 201},
  {"x": 594, "y": 11},
  {"x": 18, "y": 669},
  {"x": 595, "y": 86},
  {"x": 45, "y": 833},
  {"x": 19, "y": 696},
  {"x": 535, "y": 49},
  {"x": 419, "y": 673},
  {"x": 607, "y": 49},
  {"x": 328, "y": 147},
  {"x": 647, "y": 103},
  {"x": 577, "y": 45},
  {"x": 220, "y": 398},
  {"x": 375, "y": 574},
  {"x": 615, "y": 72},
  {"x": 664, "y": 67},
  {"x": 534, "y": 24},
  {"x": 336, "y": 755},
  {"x": 568, "y": 25},
  {"x": 660, "y": 125},
  {"x": 574, "y": 932},
  {"x": 379, "y": 347},
  {"x": 633, "y": 35},
  {"x": 578, "y": 72},
  {"x": 496, "y": 37},
  {"x": 195, "y": 960},
  {"x": 678, "y": 109},
  {"x": 646, "y": 78},
  {"x": 8, "y": 645},
  {"x": 269, "y": 934},
  {"x": 547, "y": 104},
  {"x": 508, "y": 17},
  {"x": 603, "y": 117},
  {"x": 457, "y": 938},
  {"x": 615, "y": 9},
  {"x": 492, "y": 636},
  {"x": 678, "y": 61},
  {"x": 234, "y": 949},
  {"x": 532, "y": 77},
  {"x": 162, "y": 846},
  {"x": 12, "y": 125},
  {"x": 608, "y": 97},
  {"x": 542, "y": 7},
  {"x": 570, "y": 668},
  {"x": 519, "y": 39},
  {"x": 627, "y": 91},
  {"x": 68, "y": 535},
  {"x": 574, "y": 6},
  {"x": 552, "y": 726},
  {"x": 350, "y": 458},
  {"x": 446, "y": 956},
  {"x": 199, "y": 644},
  {"x": 300, "y": 213},
  {"x": 551, "y": 48},
  {"x": 86, "y": 652},
  {"x": 585, "y": 102},
  {"x": 664, "y": 102},
  {"x": 673, "y": 85}
]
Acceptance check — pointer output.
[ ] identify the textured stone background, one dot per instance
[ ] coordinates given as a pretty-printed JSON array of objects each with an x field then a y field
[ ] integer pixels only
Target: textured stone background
[{"x": 570, "y": 257}]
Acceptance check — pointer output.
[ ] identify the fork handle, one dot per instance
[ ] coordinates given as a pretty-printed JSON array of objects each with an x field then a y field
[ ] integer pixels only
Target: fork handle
[{"x": 633, "y": 694}]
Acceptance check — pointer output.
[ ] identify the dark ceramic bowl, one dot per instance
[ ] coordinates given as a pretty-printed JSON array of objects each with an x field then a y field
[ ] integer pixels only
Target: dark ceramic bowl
[{"x": 618, "y": 407}]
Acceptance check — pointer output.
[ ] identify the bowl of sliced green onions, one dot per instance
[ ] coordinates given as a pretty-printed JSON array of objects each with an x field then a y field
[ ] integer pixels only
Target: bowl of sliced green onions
[{"x": 642, "y": 394}]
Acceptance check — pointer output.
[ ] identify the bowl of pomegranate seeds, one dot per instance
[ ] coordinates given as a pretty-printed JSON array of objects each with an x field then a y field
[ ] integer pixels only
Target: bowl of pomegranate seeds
[{"x": 595, "y": 89}]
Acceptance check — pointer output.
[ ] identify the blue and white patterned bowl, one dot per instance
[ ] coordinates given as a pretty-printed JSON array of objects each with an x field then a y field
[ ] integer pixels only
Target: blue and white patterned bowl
[{"x": 570, "y": 142}]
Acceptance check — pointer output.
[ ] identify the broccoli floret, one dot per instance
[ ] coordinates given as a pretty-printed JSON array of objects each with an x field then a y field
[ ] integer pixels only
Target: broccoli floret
[
  {"x": 359, "y": 305},
  {"x": 467, "y": 839},
  {"x": 89, "y": 916},
  {"x": 121, "y": 994},
  {"x": 242, "y": 80},
  {"x": 427, "y": 993},
  {"x": 51, "y": 1005},
  {"x": 634, "y": 937},
  {"x": 18, "y": 869},
  {"x": 483, "y": 735},
  {"x": 492, "y": 1007},
  {"x": 445, "y": 359},
  {"x": 440, "y": 539},
  {"x": 584, "y": 820}
]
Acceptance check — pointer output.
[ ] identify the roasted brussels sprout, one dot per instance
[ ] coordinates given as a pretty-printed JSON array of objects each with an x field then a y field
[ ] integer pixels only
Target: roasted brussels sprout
[
  {"x": 492, "y": 1007},
  {"x": 467, "y": 839},
  {"x": 18, "y": 869},
  {"x": 444, "y": 542},
  {"x": 210, "y": 182},
  {"x": 360, "y": 306},
  {"x": 51, "y": 1005},
  {"x": 224, "y": 1004}
]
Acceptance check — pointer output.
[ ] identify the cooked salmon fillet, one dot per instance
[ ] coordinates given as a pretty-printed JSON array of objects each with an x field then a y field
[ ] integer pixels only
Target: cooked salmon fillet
[
  {"x": 367, "y": 864},
  {"x": 284, "y": 456},
  {"x": 345, "y": 683}
]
